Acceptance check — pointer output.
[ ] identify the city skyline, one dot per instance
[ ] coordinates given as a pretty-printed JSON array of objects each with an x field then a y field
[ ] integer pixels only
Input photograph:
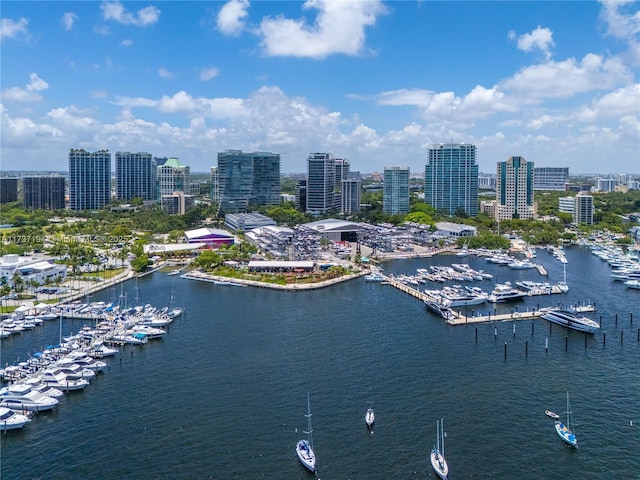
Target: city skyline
[{"x": 377, "y": 83}]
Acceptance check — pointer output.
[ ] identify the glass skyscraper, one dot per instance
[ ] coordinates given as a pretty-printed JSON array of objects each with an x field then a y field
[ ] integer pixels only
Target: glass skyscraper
[
  {"x": 43, "y": 192},
  {"x": 395, "y": 191},
  {"x": 321, "y": 183},
  {"x": 135, "y": 176},
  {"x": 243, "y": 179},
  {"x": 451, "y": 178},
  {"x": 89, "y": 179}
]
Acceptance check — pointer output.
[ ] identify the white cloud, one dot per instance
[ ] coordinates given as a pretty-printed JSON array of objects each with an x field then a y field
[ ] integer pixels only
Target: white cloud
[
  {"x": 620, "y": 19},
  {"x": 164, "y": 73},
  {"x": 338, "y": 29},
  {"x": 540, "y": 39},
  {"x": 116, "y": 11},
  {"x": 12, "y": 29},
  {"x": 209, "y": 73},
  {"x": 30, "y": 91},
  {"x": 68, "y": 19},
  {"x": 127, "y": 42},
  {"x": 231, "y": 17}
]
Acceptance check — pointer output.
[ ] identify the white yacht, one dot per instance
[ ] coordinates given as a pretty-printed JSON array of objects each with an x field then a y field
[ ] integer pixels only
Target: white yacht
[
  {"x": 21, "y": 396},
  {"x": 570, "y": 319},
  {"x": 369, "y": 417},
  {"x": 10, "y": 420},
  {"x": 59, "y": 380},
  {"x": 438, "y": 461},
  {"x": 504, "y": 292},
  {"x": 462, "y": 297}
]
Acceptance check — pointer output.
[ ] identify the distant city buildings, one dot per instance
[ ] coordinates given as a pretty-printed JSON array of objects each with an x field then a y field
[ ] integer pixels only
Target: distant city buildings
[
  {"x": 451, "y": 178},
  {"x": 395, "y": 190},
  {"x": 486, "y": 182},
  {"x": 244, "y": 179},
  {"x": 43, "y": 192},
  {"x": 135, "y": 176},
  {"x": 342, "y": 173},
  {"x": 551, "y": 178},
  {"x": 605, "y": 185},
  {"x": 89, "y": 179},
  {"x": 8, "y": 189},
  {"x": 173, "y": 185},
  {"x": 514, "y": 189}
]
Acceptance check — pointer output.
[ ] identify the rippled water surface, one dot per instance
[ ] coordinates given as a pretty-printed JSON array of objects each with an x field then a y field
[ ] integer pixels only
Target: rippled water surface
[{"x": 223, "y": 394}]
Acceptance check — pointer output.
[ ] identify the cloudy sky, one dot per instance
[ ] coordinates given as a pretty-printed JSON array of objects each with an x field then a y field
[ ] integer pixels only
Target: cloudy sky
[{"x": 375, "y": 82}]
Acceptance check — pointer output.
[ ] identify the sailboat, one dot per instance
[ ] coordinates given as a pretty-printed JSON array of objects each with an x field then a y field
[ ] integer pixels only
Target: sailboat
[
  {"x": 304, "y": 447},
  {"x": 438, "y": 461},
  {"x": 564, "y": 431},
  {"x": 369, "y": 417}
]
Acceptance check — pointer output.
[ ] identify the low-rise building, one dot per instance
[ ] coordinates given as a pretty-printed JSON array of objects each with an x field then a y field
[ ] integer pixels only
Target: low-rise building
[{"x": 30, "y": 269}]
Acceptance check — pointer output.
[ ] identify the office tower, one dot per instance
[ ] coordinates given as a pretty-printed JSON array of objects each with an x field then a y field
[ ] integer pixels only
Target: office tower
[
  {"x": 583, "y": 213},
  {"x": 176, "y": 203},
  {"x": 247, "y": 178},
  {"x": 350, "y": 200},
  {"x": 171, "y": 176},
  {"x": 514, "y": 189},
  {"x": 43, "y": 192},
  {"x": 89, "y": 179},
  {"x": 551, "y": 178},
  {"x": 8, "y": 189},
  {"x": 214, "y": 188},
  {"x": 266, "y": 187},
  {"x": 321, "y": 183},
  {"x": 451, "y": 178},
  {"x": 301, "y": 196},
  {"x": 342, "y": 173},
  {"x": 135, "y": 176},
  {"x": 395, "y": 190}
]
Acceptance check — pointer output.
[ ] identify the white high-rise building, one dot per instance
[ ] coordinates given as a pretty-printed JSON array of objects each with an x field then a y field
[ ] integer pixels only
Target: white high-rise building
[{"x": 514, "y": 189}]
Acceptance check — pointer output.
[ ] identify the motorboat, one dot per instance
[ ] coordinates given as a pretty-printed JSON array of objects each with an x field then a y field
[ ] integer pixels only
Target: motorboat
[
  {"x": 440, "y": 308},
  {"x": 374, "y": 277},
  {"x": 59, "y": 380},
  {"x": 564, "y": 431},
  {"x": 369, "y": 417},
  {"x": 504, "y": 292},
  {"x": 635, "y": 284},
  {"x": 21, "y": 396},
  {"x": 570, "y": 319},
  {"x": 47, "y": 390},
  {"x": 459, "y": 297},
  {"x": 551, "y": 414},
  {"x": 438, "y": 461},
  {"x": 10, "y": 420},
  {"x": 82, "y": 359},
  {"x": 74, "y": 371},
  {"x": 304, "y": 447},
  {"x": 150, "y": 332}
]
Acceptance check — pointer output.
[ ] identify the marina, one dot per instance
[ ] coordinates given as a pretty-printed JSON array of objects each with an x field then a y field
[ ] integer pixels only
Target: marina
[{"x": 269, "y": 348}]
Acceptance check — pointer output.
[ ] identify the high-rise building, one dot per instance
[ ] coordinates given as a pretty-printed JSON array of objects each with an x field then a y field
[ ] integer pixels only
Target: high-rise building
[
  {"x": 8, "y": 189},
  {"x": 395, "y": 190},
  {"x": 321, "y": 183},
  {"x": 89, "y": 179},
  {"x": 606, "y": 185},
  {"x": 135, "y": 176},
  {"x": 583, "y": 213},
  {"x": 451, "y": 178},
  {"x": 244, "y": 179},
  {"x": 301, "y": 195},
  {"x": 342, "y": 173},
  {"x": 171, "y": 176},
  {"x": 43, "y": 192},
  {"x": 551, "y": 178},
  {"x": 351, "y": 193},
  {"x": 214, "y": 187},
  {"x": 514, "y": 189}
]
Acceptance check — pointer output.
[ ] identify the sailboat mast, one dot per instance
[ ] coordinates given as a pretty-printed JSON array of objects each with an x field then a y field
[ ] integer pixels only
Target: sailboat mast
[
  {"x": 309, "y": 431},
  {"x": 442, "y": 433}
]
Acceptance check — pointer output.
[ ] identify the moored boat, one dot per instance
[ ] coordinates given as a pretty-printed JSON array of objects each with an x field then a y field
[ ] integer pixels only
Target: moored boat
[
  {"x": 304, "y": 447},
  {"x": 570, "y": 319},
  {"x": 438, "y": 461}
]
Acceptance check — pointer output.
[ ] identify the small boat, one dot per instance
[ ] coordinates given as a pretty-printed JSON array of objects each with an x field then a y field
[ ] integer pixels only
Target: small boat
[
  {"x": 551, "y": 414},
  {"x": 369, "y": 417},
  {"x": 374, "y": 277},
  {"x": 564, "y": 431},
  {"x": 304, "y": 447},
  {"x": 20, "y": 396},
  {"x": 438, "y": 461}
]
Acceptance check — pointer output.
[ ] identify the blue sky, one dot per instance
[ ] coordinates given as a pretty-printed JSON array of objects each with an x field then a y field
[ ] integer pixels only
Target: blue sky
[{"x": 375, "y": 82}]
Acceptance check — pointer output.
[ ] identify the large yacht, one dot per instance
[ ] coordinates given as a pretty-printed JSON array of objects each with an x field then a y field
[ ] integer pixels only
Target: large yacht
[
  {"x": 20, "y": 396},
  {"x": 504, "y": 292},
  {"x": 568, "y": 318}
]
